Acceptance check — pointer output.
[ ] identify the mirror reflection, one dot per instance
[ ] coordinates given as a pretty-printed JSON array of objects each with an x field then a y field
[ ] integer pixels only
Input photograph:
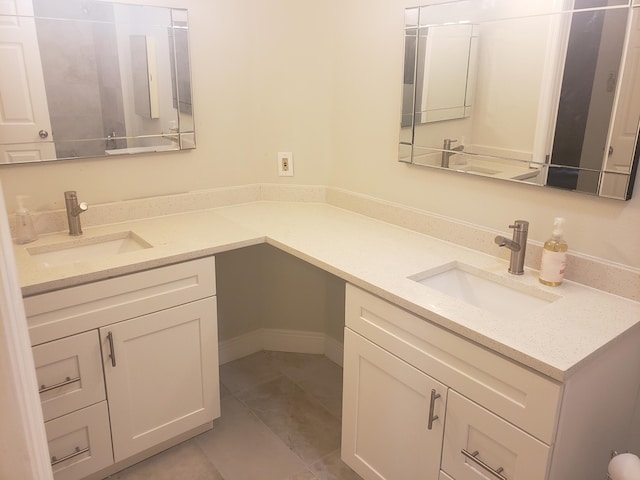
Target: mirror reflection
[
  {"x": 85, "y": 78},
  {"x": 551, "y": 94}
]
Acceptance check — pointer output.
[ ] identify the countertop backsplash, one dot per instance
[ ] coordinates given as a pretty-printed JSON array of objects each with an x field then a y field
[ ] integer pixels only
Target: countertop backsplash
[{"x": 593, "y": 272}]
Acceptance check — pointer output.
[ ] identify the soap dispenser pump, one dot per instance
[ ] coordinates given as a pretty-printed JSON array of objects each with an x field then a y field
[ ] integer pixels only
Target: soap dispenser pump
[
  {"x": 554, "y": 256},
  {"x": 25, "y": 232}
]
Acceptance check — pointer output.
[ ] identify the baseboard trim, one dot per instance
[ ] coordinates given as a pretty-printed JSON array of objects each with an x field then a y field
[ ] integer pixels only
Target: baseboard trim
[
  {"x": 280, "y": 340},
  {"x": 292, "y": 341},
  {"x": 240, "y": 346}
]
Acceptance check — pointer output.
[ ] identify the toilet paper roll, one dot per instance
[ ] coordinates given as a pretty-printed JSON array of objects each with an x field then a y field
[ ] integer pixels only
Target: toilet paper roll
[{"x": 625, "y": 466}]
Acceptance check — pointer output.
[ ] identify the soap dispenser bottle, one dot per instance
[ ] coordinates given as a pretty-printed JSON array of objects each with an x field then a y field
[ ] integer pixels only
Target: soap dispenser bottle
[
  {"x": 25, "y": 232},
  {"x": 554, "y": 256}
]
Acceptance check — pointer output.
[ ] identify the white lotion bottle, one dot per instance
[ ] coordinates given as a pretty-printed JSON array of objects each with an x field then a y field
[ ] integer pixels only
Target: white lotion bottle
[
  {"x": 25, "y": 232},
  {"x": 554, "y": 256}
]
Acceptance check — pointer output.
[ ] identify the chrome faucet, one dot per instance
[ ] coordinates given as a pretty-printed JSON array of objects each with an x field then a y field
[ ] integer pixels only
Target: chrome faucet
[
  {"x": 518, "y": 246},
  {"x": 74, "y": 209},
  {"x": 448, "y": 151}
]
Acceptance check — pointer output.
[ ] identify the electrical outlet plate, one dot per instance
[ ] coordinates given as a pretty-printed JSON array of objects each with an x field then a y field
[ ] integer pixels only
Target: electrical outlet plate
[{"x": 285, "y": 164}]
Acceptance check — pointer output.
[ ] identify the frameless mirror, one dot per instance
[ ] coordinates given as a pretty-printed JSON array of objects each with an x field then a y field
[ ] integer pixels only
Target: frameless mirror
[
  {"x": 544, "y": 92},
  {"x": 86, "y": 78}
]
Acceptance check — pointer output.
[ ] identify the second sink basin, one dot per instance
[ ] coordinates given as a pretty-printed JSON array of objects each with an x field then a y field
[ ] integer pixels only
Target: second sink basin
[
  {"x": 86, "y": 249},
  {"x": 481, "y": 289}
]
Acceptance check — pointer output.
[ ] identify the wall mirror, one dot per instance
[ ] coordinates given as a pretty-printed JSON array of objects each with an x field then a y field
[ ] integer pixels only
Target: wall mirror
[
  {"x": 86, "y": 78},
  {"x": 544, "y": 93}
]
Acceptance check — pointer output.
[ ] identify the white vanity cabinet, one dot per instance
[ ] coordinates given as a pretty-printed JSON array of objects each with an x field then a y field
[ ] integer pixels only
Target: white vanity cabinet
[
  {"x": 127, "y": 365},
  {"x": 495, "y": 419}
]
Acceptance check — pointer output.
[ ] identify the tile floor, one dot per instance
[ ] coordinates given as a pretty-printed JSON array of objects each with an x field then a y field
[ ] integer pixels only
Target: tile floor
[{"x": 280, "y": 421}]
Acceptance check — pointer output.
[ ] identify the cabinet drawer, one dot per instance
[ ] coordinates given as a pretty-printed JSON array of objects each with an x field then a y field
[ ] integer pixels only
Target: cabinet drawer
[
  {"x": 479, "y": 445},
  {"x": 523, "y": 397},
  {"x": 80, "y": 442},
  {"x": 77, "y": 309},
  {"x": 69, "y": 373}
]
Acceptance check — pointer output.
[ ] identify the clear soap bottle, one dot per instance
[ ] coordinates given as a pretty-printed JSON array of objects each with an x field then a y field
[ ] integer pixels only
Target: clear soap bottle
[
  {"x": 25, "y": 232},
  {"x": 554, "y": 256}
]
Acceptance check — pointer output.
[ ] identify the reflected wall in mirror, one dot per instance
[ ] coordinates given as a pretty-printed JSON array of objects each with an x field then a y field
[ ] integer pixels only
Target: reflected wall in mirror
[
  {"x": 86, "y": 78},
  {"x": 554, "y": 88}
]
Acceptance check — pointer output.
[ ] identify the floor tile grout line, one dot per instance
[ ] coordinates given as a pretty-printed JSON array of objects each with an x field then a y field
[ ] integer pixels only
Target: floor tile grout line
[
  {"x": 318, "y": 401},
  {"x": 281, "y": 374},
  {"x": 209, "y": 459},
  {"x": 307, "y": 466},
  {"x": 274, "y": 434},
  {"x": 257, "y": 417},
  {"x": 253, "y": 386}
]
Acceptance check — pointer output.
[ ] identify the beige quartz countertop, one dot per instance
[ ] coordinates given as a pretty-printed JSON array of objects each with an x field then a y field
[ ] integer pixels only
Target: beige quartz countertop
[{"x": 554, "y": 340}]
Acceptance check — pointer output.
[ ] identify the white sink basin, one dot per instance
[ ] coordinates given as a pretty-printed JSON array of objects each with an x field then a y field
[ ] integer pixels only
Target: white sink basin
[
  {"x": 495, "y": 167},
  {"x": 130, "y": 150},
  {"x": 483, "y": 290},
  {"x": 478, "y": 169},
  {"x": 86, "y": 249}
]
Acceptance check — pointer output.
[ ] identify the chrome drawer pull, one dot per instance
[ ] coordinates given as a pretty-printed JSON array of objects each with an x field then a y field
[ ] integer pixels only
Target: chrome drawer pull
[
  {"x": 55, "y": 461},
  {"x": 112, "y": 352},
  {"x": 432, "y": 417},
  {"x": 68, "y": 381},
  {"x": 474, "y": 456}
]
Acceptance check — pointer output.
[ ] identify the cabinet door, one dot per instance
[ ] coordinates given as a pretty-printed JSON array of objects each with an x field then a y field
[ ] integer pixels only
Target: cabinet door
[
  {"x": 385, "y": 419},
  {"x": 161, "y": 372}
]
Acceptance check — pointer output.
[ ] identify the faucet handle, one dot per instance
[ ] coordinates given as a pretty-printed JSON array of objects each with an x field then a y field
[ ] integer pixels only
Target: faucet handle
[
  {"x": 447, "y": 143},
  {"x": 520, "y": 226}
]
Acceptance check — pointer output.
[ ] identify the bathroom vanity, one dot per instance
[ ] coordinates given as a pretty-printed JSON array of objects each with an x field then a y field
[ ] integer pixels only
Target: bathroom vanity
[
  {"x": 402, "y": 374},
  {"x": 434, "y": 387},
  {"x": 421, "y": 402},
  {"x": 126, "y": 366}
]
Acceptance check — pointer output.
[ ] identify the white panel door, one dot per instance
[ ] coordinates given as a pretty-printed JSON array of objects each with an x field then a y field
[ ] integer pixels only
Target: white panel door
[
  {"x": 385, "y": 419},
  {"x": 161, "y": 372},
  {"x": 624, "y": 129},
  {"x": 24, "y": 112}
]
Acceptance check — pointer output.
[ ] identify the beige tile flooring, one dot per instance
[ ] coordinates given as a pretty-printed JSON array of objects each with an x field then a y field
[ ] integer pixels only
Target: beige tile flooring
[{"x": 280, "y": 421}]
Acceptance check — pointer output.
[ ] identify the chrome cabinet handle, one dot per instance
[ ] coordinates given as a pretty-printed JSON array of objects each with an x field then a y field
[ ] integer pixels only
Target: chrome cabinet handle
[
  {"x": 432, "y": 417},
  {"x": 78, "y": 451},
  {"x": 67, "y": 381},
  {"x": 112, "y": 352},
  {"x": 474, "y": 456},
  {"x": 43, "y": 134}
]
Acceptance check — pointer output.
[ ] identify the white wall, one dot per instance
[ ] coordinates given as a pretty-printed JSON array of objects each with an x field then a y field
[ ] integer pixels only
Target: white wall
[
  {"x": 324, "y": 80},
  {"x": 281, "y": 292}
]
